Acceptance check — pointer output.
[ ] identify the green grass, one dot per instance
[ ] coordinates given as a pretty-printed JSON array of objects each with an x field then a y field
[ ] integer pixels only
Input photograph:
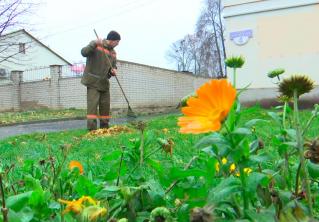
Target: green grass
[
  {"x": 91, "y": 151},
  {"x": 40, "y": 114}
]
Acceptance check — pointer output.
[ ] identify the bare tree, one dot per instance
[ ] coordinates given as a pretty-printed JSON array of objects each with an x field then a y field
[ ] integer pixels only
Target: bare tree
[
  {"x": 203, "y": 53},
  {"x": 210, "y": 26},
  {"x": 180, "y": 54},
  {"x": 13, "y": 14}
]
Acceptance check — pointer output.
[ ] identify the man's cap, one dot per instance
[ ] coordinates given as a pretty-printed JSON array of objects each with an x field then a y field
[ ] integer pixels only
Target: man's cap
[{"x": 113, "y": 35}]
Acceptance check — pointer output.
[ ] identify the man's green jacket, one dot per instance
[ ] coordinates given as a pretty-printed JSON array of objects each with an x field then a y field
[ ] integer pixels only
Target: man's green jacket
[{"x": 97, "y": 70}]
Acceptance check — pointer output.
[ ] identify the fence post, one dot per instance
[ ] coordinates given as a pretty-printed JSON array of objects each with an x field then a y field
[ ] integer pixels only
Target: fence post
[
  {"x": 55, "y": 95},
  {"x": 16, "y": 78}
]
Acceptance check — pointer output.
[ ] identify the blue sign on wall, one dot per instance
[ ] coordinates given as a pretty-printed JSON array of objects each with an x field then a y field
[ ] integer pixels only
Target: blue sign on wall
[{"x": 241, "y": 37}]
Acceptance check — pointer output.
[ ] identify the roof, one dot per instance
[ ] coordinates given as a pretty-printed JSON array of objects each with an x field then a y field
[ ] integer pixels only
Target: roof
[{"x": 38, "y": 41}]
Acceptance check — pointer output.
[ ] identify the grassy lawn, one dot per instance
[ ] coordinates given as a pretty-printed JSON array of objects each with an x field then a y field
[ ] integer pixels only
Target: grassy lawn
[
  {"x": 38, "y": 155},
  {"x": 92, "y": 149},
  {"x": 41, "y": 114}
]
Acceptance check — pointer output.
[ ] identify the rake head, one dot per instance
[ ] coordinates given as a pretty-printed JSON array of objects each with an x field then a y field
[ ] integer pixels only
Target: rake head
[{"x": 130, "y": 113}]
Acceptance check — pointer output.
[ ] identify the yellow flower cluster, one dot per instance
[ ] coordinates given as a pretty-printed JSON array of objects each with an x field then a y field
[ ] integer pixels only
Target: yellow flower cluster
[
  {"x": 86, "y": 205},
  {"x": 232, "y": 167}
]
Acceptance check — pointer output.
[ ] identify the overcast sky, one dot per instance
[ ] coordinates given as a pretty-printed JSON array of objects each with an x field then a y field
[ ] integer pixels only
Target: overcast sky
[{"x": 147, "y": 27}]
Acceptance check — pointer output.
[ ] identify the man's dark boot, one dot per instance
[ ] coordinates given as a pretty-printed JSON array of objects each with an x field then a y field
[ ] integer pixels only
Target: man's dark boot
[
  {"x": 91, "y": 124},
  {"x": 104, "y": 124}
]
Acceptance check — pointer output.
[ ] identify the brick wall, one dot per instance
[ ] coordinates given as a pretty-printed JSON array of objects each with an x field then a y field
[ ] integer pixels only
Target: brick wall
[
  {"x": 6, "y": 97},
  {"x": 144, "y": 86}
]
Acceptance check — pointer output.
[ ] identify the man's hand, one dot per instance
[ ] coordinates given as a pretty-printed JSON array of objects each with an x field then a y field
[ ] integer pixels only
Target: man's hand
[{"x": 113, "y": 72}]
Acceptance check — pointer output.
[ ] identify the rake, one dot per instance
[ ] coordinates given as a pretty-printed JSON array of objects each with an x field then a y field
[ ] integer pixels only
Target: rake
[{"x": 130, "y": 112}]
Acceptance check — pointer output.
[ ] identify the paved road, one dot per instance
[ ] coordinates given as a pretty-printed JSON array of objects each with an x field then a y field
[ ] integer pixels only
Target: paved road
[{"x": 54, "y": 126}]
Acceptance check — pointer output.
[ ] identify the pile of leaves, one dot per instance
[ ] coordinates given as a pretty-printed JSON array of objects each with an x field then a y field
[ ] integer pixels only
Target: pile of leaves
[{"x": 114, "y": 130}]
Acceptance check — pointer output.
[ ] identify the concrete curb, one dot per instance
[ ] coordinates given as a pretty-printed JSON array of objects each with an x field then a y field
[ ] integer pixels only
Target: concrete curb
[{"x": 42, "y": 121}]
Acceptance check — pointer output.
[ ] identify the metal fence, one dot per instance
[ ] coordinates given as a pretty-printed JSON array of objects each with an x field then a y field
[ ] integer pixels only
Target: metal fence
[{"x": 36, "y": 74}]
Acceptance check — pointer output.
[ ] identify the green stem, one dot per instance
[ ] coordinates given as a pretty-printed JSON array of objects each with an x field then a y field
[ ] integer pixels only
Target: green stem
[
  {"x": 300, "y": 146},
  {"x": 244, "y": 193},
  {"x": 119, "y": 170},
  {"x": 142, "y": 148},
  {"x": 287, "y": 171},
  {"x": 297, "y": 180},
  {"x": 234, "y": 78},
  {"x": 151, "y": 153},
  {"x": 145, "y": 158},
  {"x": 314, "y": 115},
  {"x": 4, "y": 209},
  {"x": 284, "y": 115}
]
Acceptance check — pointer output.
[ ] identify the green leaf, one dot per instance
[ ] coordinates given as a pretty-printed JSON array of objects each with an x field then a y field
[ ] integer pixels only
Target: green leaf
[
  {"x": 313, "y": 170},
  {"x": 233, "y": 116},
  {"x": 183, "y": 213},
  {"x": 25, "y": 215},
  {"x": 156, "y": 193},
  {"x": 263, "y": 216},
  {"x": 142, "y": 216},
  {"x": 224, "y": 190},
  {"x": 156, "y": 165},
  {"x": 39, "y": 198},
  {"x": 111, "y": 174},
  {"x": 178, "y": 174},
  {"x": 17, "y": 202},
  {"x": 212, "y": 139},
  {"x": 285, "y": 196},
  {"x": 254, "y": 145},
  {"x": 253, "y": 122},
  {"x": 108, "y": 191},
  {"x": 113, "y": 156},
  {"x": 54, "y": 205},
  {"x": 291, "y": 144},
  {"x": 255, "y": 179},
  {"x": 85, "y": 187},
  {"x": 242, "y": 131},
  {"x": 291, "y": 133},
  {"x": 241, "y": 152},
  {"x": 283, "y": 149},
  {"x": 275, "y": 117},
  {"x": 260, "y": 158}
]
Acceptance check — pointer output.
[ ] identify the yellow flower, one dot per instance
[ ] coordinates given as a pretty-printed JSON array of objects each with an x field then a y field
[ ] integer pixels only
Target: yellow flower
[
  {"x": 205, "y": 112},
  {"x": 76, "y": 164},
  {"x": 165, "y": 130},
  {"x": 177, "y": 202},
  {"x": 247, "y": 170},
  {"x": 224, "y": 161},
  {"x": 217, "y": 167},
  {"x": 232, "y": 168},
  {"x": 76, "y": 206}
]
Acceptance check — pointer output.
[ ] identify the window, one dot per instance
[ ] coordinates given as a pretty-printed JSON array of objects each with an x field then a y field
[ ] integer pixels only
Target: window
[{"x": 22, "y": 48}]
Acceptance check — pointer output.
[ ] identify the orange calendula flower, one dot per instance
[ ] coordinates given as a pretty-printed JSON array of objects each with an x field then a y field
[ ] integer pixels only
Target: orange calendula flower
[
  {"x": 76, "y": 164},
  {"x": 205, "y": 112},
  {"x": 76, "y": 206}
]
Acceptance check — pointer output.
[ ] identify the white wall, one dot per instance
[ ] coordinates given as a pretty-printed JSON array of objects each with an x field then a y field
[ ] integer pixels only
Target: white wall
[{"x": 285, "y": 35}]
